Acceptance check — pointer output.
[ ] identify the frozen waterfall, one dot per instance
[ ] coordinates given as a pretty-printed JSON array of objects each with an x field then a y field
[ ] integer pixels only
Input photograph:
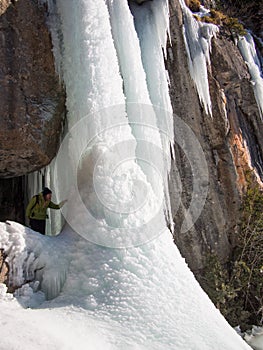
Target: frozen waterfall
[
  {"x": 122, "y": 275},
  {"x": 115, "y": 141},
  {"x": 103, "y": 61}
]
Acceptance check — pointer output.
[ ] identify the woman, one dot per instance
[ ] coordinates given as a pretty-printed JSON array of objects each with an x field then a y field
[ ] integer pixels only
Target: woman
[{"x": 36, "y": 210}]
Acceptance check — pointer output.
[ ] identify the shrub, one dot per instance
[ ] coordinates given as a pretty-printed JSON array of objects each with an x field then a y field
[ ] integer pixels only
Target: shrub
[
  {"x": 237, "y": 289},
  {"x": 194, "y": 5},
  {"x": 231, "y": 23},
  {"x": 250, "y": 250},
  {"x": 224, "y": 293},
  {"x": 235, "y": 26}
]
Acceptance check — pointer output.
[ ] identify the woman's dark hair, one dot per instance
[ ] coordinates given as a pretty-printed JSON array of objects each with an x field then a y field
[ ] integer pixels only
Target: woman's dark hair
[{"x": 46, "y": 191}]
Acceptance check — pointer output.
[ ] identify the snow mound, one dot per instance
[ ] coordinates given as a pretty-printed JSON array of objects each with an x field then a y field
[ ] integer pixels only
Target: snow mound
[
  {"x": 138, "y": 298},
  {"x": 35, "y": 262}
]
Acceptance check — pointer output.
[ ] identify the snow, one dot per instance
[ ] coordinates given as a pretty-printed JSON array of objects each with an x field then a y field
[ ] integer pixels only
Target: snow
[
  {"x": 28, "y": 258},
  {"x": 52, "y": 329},
  {"x": 202, "y": 12},
  {"x": 255, "y": 338},
  {"x": 137, "y": 298}
]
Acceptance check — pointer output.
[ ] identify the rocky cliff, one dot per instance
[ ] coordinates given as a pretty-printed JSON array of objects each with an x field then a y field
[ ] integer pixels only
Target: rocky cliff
[
  {"x": 32, "y": 99},
  {"x": 231, "y": 143},
  {"x": 230, "y": 140}
]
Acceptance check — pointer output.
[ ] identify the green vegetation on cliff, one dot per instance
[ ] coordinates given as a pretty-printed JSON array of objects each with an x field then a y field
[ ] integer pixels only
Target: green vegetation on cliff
[
  {"x": 230, "y": 23},
  {"x": 237, "y": 290},
  {"x": 218, "y": 17}
]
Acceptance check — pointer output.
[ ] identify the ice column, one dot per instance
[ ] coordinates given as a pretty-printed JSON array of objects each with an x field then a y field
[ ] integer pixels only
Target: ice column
[
  {"x": 247, "y": 48},
  {"x": 104, "y": 128},
  {"x": 197, "y": 37},
  {"x": 152, "y": 26}
]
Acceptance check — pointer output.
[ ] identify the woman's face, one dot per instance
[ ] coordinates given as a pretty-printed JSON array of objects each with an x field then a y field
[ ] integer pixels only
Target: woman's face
[{"x": 48, "y": 197}]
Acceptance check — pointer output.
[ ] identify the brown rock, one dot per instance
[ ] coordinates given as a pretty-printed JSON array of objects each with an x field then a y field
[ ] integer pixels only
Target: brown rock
[
  {"x": 229, "y": 140},
  {"x": 246, "y": 127},
  {"x": 32, "y": 100}
]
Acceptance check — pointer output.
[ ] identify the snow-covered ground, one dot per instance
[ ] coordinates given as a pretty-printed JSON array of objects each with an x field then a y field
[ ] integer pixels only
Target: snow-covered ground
[{"x": 136, "y": 298}]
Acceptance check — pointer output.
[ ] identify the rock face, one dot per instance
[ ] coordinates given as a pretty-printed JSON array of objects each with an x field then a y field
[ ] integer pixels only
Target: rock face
[
  {"x": 31, "y": 97},
  {"x": 229, "y": 140}
]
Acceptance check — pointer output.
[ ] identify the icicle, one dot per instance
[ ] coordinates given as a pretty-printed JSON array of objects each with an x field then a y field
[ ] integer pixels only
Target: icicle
[
  {"x": 152, "y": 26},
  {"x": 247, "y": 48},
  {"x": 197, "y": 37},
  {"x": 141, "y": 114}
]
